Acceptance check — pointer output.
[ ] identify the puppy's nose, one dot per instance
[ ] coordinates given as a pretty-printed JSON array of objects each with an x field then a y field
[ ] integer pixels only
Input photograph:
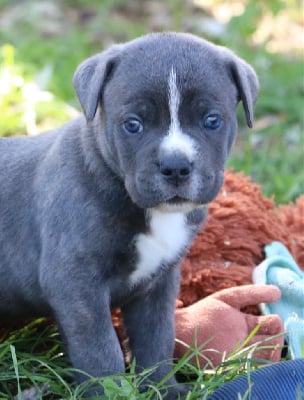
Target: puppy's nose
[{"x": 175, "y": 169}]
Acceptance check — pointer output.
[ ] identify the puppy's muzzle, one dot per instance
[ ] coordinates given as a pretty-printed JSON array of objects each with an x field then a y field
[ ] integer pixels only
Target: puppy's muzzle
[{"x": 175, "y": 169}]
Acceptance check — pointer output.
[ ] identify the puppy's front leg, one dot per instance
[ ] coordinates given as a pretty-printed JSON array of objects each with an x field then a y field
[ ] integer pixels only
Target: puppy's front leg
[
  {"x": 149, "y": 321},
  {"x": 83, "y": 315}
]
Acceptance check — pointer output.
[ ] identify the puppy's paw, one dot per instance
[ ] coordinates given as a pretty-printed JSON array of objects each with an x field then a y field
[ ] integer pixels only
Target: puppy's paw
[{"x": 177, "y": 392}]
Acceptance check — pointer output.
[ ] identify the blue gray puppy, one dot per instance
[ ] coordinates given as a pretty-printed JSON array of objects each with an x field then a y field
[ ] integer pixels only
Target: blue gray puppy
[{"x": 99, "y": 212}]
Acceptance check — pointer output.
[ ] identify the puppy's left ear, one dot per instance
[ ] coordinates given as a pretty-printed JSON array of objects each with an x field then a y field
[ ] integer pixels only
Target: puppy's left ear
[
  {"x": 247, "y": 85},
  {"x": 90, "y": 78}
]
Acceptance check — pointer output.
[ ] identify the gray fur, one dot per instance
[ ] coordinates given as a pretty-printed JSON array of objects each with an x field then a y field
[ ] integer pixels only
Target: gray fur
[{"x": 73, "y": 201}]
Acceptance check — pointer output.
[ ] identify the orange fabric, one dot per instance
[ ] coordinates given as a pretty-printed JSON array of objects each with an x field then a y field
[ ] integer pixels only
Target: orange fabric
[{"x": 240, "y": 223}]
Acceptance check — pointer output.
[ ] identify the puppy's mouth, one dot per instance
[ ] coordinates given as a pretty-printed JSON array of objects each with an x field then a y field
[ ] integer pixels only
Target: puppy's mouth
[
  {"x": 177, "y": 200},
  {"x": 179, "y": 205}
]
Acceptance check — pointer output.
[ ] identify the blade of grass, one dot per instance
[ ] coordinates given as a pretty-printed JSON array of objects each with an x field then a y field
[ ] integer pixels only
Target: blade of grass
[{"x": 15, "y": 363}]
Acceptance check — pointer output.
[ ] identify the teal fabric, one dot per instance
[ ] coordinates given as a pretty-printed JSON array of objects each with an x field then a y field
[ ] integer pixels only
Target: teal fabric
[{"x": 280, "y": 269}]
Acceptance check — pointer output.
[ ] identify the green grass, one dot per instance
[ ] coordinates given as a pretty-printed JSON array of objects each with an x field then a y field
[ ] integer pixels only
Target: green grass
[
  {"x": 37, "y": 61},
  {"x": 33, "y": 359}
]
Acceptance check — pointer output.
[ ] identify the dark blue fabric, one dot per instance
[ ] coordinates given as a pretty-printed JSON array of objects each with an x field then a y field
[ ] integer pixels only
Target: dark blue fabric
[{"x": 281, "y": 381}]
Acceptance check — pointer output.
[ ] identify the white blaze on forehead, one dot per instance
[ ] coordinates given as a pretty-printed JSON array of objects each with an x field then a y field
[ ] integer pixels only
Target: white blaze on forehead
[
  {"x": 176, "y": 139},
  {"x": 174, "y": 100}
]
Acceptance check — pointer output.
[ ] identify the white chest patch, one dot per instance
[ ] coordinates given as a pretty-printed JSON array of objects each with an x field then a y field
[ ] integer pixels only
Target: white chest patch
[
  {"x": 176, "y": 139},
  {"x": 168, "y": 237}
]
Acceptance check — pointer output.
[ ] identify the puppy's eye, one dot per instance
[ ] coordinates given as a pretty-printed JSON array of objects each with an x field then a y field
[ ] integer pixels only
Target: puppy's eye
[
  {"x": 132, "y": 125},
  {"x": 212, "y": 121}
]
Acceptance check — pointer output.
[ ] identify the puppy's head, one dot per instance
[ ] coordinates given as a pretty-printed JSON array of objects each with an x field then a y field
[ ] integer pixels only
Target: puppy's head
[{"x": 167, "y": 115}]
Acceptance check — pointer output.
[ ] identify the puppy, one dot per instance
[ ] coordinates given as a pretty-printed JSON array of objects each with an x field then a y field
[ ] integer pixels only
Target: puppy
[{"x": 99, "y": 212}]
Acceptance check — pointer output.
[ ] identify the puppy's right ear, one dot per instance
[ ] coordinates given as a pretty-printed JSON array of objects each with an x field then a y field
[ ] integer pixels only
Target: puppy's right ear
[
  {"x": 90, "y": 78},
  {"x": 247, "y": 84}
]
